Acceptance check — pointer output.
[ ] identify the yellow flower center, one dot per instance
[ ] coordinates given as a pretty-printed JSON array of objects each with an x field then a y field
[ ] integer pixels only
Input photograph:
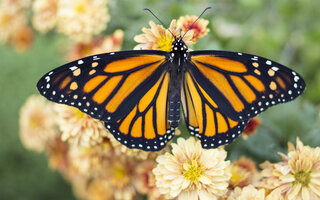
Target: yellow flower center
[
  {"x": 165, "y": 43},
  {"x": 79, "y": 114},
  {"x": 192, "y": 171},
  {"x": 302, "y": 177},
  {"x": 238, "y": 175},
  {"x": 36, "y": 121},
  {"x": 119, "y": 172},
  {"x": 4, "y": 19},
  {"x": 80, "y": 7}
]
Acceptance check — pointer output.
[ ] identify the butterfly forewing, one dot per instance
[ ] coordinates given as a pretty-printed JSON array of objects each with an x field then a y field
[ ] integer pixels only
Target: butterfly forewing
[
  {"x": 243, "y": 85},
  {"x": 104, "y": 86}
]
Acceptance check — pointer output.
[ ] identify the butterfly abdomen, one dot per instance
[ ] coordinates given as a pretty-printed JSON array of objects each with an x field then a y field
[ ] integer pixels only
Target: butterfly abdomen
[{"x": 174, "y": 111}]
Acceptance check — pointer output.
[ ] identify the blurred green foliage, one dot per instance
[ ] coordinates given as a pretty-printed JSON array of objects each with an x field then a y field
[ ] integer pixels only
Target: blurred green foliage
[{"x": 287, "y": 31}]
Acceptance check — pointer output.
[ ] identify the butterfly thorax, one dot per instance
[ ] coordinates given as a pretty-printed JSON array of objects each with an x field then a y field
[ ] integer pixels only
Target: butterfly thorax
[{"x": 177, "y": 58}]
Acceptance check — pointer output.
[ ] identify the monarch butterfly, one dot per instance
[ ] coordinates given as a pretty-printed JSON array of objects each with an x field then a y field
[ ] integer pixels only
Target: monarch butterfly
[{"x": 138, "y": 93}]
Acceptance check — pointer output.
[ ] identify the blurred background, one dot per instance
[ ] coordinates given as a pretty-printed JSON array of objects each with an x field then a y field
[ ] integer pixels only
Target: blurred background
[{"x": 286, "y": 31}]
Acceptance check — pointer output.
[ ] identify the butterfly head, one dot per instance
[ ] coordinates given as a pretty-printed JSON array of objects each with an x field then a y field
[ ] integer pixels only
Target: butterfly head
[{"x": 178, "y": 45}]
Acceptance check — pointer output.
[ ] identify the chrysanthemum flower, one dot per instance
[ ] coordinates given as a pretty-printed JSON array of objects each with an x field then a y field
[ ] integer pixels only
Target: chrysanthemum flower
[
  {"x": 145, "y": 182},
  {"x": 45, "y": 14},
  {"x": 79, "y": 128},
  {"x": 89, "y": 161},
  {"x": 81, "y": 19},
  {"x": 97, "y": 45},
  {"x": 251, "y": 127},
  {"x": 199, "y": 28},
  {"x": 23, "y": 38},
  {"x": 247, "y": 193},
  {"x": 243, "y": 172},
  {"x": 191, "y": 172},
  {"x": 12, "y": 19},
  {"x": 120, "y": 174},
  {"x": 99, "y": 189},
  {"x": 37, "y": 123},
  {"x": 159, "y": 38},
  {"x": 58, "y": 155},
  {"x": 298, "y": 176}
]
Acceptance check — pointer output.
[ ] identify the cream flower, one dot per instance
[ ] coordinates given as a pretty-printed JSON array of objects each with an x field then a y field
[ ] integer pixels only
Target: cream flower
[
  {"x": 159, "y": 38},
  {"x": 91, "y": 160},
  {"x": 145, "y": 182},
  {"x": 58, "y": 155},
  {"x": 45, "y": 14},
  {"x": 23, "y": 38},
  {"x": 81, "y": 19},
  {"x": 199, "y": 28},
  {"x": 99, "y": 189},
  {"x": 191, "y": 172},
  {"x": 79, "y": 128},
  {"x": 243, "y": 172},
  {"x": 247, "y": 193},
  {"x": 120, "y": 174},
  {"x": 37, "y": 123},
  {"x": 298, "y": 176},
  {"x": 98, "y": 45},
  {"x": 12, "y": 19}
]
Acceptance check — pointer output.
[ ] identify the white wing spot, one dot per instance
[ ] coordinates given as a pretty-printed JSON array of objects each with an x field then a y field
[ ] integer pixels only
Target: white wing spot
[
  {"x": 80, "y": 62},
  {"x": 47, "y": 78},
  {"x": 268, "y": 62},
  {"x": 275, "y": 68},
  {"x": 73, "y": 68}
]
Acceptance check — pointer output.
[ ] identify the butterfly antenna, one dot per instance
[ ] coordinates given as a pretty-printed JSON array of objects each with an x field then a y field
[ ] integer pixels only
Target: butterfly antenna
[
  {"x": 147, "y": 9},
  {"x": 196, "y": 20}
]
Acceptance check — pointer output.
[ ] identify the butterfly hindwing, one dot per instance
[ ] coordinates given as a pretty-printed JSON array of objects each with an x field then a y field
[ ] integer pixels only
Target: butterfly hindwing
[
  {"x": 203, "y": 117},
  {"x": 105, "y": 86},
  {"x": 146, "y": 126},
  {"x": 243, "y": 85}
]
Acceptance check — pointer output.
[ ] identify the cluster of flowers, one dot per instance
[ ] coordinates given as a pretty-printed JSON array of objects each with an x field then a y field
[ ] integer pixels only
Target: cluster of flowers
[
  {"x": 79, "y": 19},
  {"x": 99, "y": 167}
]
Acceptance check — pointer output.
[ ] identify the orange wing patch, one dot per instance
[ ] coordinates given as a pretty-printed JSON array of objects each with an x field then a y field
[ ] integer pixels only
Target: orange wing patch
[
  {"x": 125, "y": 125},
  {"x": 65, "y": 82},
  {"x": 137, "y": 128},
  {"x": 281, "y": 82},
  {"x": 147, "y": 98},
  {"x": 244, "y": 89},
  {"x": 130, "y": 83},
  {"x": 222, "y": 63},
  {"x": 210, "y": 125},
  {"x": 132, "y": 63},
  {"x": 103, "y": 93},
  {"x": 148, "y": 125},
  {"x": 196, "y": 101},
  {"x": 161, "y": 103},
  {"x": 256, "y": 83},
  {"x": 222, "y": 84}
]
